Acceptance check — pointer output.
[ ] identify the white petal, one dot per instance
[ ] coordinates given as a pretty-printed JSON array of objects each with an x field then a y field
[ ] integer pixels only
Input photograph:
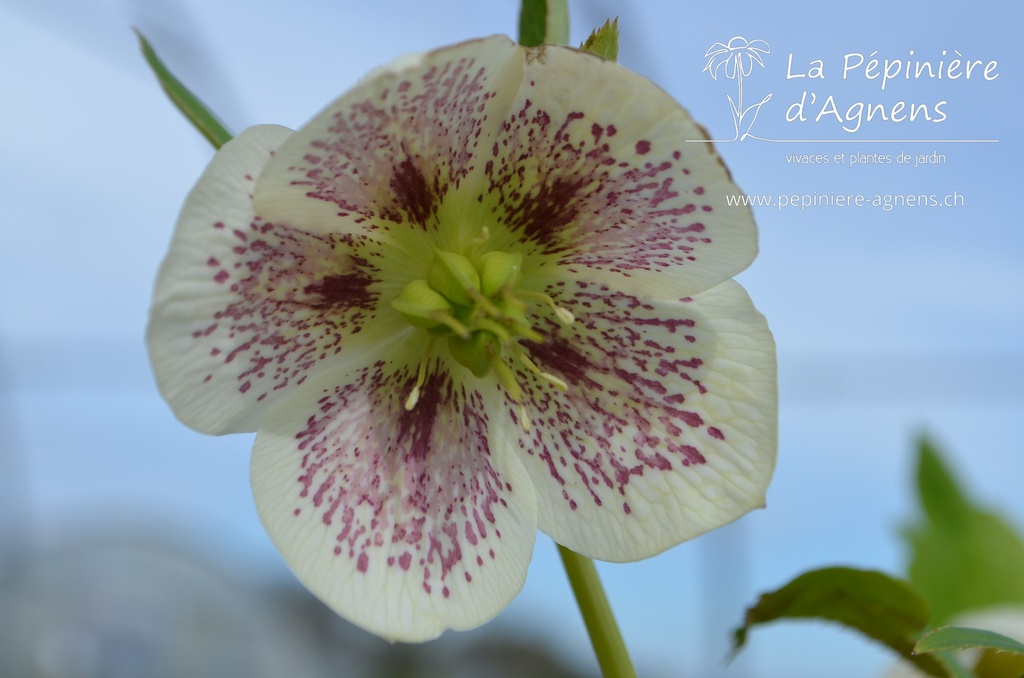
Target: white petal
[
  {"x": 667, "y": 430},
  {"x": 385, "y": 157},
  {"x": 404, "y": 522},
  {"x": 243, "y": 309},
  {"x": 596, "y": 168}
]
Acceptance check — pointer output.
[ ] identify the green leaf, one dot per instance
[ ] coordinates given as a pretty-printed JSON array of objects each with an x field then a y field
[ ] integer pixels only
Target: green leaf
[
  {"x": 958, "y": 638},
  {"x": 1002, "y": 657},
  {"x": 941, "y": 498},
  {"x": 544, "y": 22},
  {"x": 604, "y": 41},
  {"x": 881, "y": 607},
  {"x": 963, "y": 557},
  {"x": 193, "y": 109},
  {"x": 955, "y": 669}
]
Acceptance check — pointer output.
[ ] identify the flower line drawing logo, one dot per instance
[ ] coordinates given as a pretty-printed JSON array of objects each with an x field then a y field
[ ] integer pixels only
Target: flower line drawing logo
[{"x": 737, "y": 58}]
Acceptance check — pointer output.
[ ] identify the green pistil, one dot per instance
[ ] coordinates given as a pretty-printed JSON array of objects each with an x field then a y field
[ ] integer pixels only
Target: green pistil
[
  {"x": 421, "y": 305},
  {"x": 498, "y": 271},
  {"x": 474, "y": 305},
  {"x": 454, "y": 277}
]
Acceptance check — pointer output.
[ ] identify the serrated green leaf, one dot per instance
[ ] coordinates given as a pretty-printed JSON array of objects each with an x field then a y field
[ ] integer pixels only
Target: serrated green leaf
[
  {"x": 186, "y": 102},
  {"x": 959, "y": 638},
  {"x": 962, "y": 557},
  {"x": 1002, "y": 657},
  {"x": 543, "y": 22},
  {"x": 604, "y": 41},
  {"x": 881, "y": 607}
]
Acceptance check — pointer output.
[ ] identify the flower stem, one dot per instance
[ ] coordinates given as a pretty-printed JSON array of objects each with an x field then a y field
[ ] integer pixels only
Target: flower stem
[{"x": 597, "y": 615}]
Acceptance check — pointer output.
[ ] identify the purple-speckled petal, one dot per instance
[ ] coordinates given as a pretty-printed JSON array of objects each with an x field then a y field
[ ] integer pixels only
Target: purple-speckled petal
[
  {"x": 568, "y": 158},
  {"x": 592, "y": 167},
  {"x": 391, "y": 158},
  {"x": 406, "y": 523},
  {"x": 667, "y": 429},
  {"x": 244, "y": 309}
]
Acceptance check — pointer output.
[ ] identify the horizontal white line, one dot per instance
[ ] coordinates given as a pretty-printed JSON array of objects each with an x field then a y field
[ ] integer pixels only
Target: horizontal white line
[{"x": 852, "y": 141}]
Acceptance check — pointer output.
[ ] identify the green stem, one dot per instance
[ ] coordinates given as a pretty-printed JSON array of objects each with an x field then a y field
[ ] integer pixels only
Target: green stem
[
  {"x": 544, "y": 21},
  {"x": 597, "y": 615}
]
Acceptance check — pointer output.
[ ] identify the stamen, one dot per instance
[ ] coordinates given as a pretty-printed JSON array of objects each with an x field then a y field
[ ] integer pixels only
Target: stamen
[
  {"x": 565, "y": 316},
  {"x": 531, "y": 334},
  {"x": 421, "y": 376},
  {"x": 524, "y": 421},
  {"x": 485, "y": 303},
  {"x": 506, "y": 378},
  {"x": 414, "y": 397},
  {"x": 495, "y": 328},
  {"x": 446, "y": 319},
  {"x": 557, "y": 382},
  {"x": 514, "y": 316},
  {"x": 485, "y": 235}
]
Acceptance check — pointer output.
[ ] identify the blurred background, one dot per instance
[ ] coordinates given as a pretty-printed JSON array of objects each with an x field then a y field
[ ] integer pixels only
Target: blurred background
[{"x": 129, "y": 545}]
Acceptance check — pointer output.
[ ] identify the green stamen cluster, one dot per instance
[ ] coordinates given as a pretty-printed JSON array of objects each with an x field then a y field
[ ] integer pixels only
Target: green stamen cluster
[{"x": 474, "y": 306}]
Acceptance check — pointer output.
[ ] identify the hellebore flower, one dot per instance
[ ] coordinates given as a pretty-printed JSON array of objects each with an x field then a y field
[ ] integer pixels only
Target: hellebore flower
[{"x": 484, "y": 292}]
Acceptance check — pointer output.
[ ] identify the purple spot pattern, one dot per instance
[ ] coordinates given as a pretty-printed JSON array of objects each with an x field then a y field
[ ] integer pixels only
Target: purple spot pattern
[
  {"x": 390, "y": 159},
  {"x": 634, "y": 399},
  {"x": 419, "y": 494},
  {"x": 559, "y": 184},
  {"x": 293, "y": 299}
]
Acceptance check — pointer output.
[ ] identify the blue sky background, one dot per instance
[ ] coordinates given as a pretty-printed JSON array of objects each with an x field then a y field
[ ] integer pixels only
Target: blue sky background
[{"x": 889, "y": 323}]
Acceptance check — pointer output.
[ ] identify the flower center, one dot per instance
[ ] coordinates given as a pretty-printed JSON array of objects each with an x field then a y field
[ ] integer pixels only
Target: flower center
[{"x": 478, "y": 309}]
